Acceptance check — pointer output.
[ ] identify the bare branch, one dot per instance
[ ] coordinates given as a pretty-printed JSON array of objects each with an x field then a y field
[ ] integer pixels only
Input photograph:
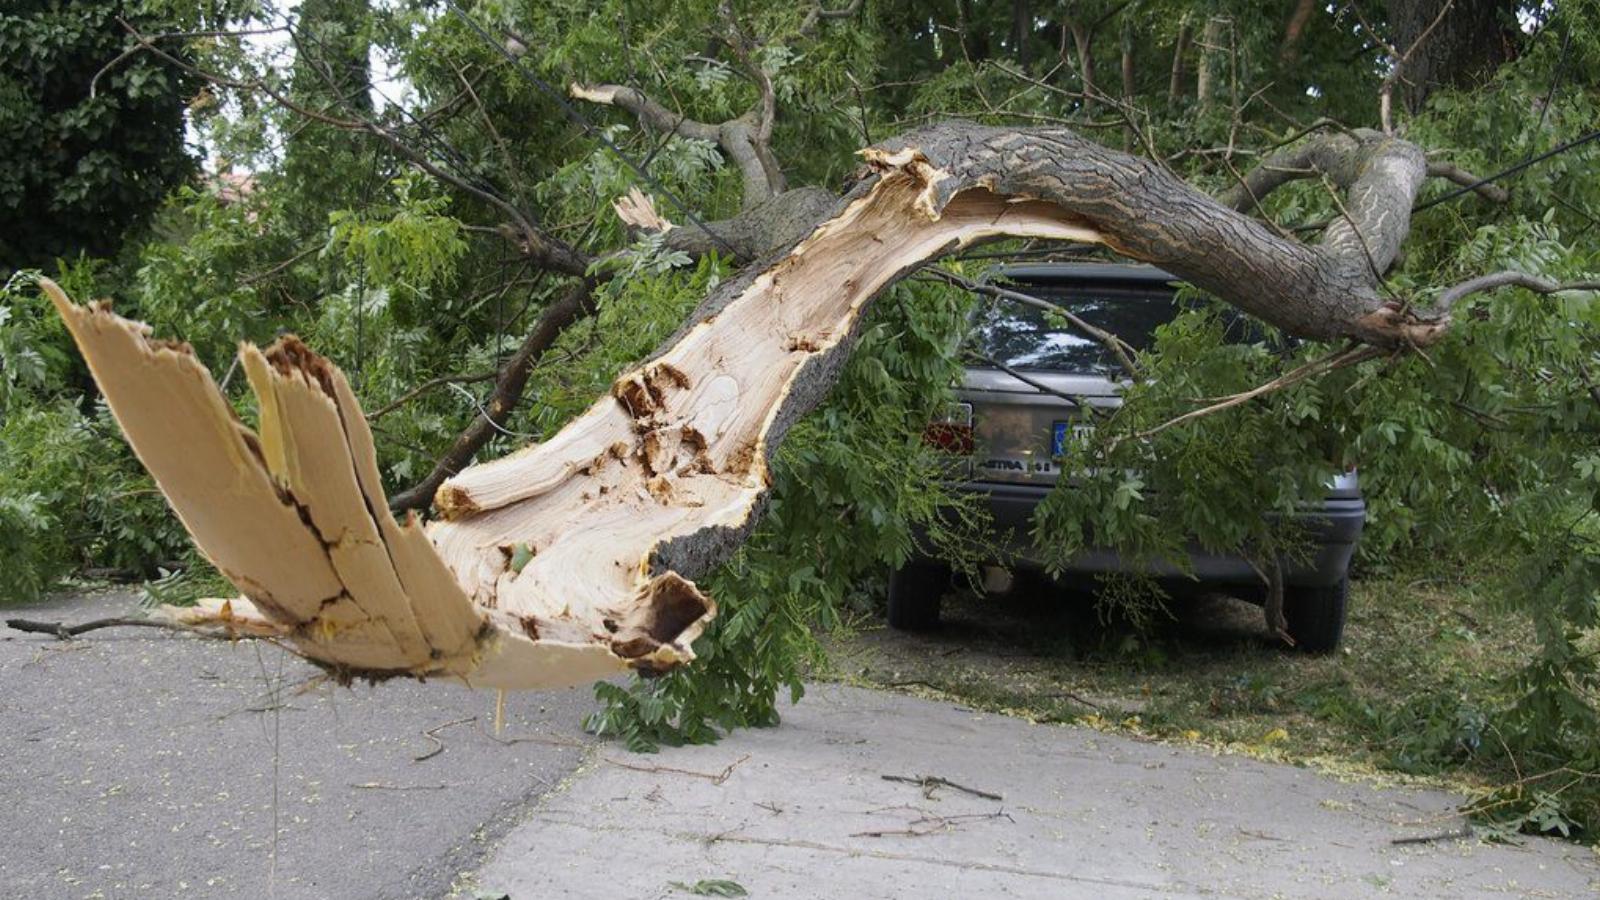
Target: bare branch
[
  {"x": 647, "y": 110},
  {"x": 268, "y": 273},
  {"x": 741, "y": 139},
  {"x": 1030, "y": 382},
  {"x": 1454, "y": 294},
  {"x": 1338, "y": 359},
  {"x": 1452, "y": 172},
  {"x": 425, "y": 387},
  {"x": 1119, "y": 348},
  {"x": 513, "y": 377}
]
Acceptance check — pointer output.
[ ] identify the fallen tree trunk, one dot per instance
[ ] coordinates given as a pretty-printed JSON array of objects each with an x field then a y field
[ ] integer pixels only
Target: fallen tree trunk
[{"x": 576, "y": 558}]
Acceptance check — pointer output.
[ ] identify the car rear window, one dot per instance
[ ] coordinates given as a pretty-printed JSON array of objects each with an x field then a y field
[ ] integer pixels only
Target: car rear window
[{"x": 1024, "y": 337}]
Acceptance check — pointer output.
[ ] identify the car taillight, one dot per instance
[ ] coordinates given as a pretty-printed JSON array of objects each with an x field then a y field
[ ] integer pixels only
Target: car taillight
[{"x": 953, "y": 433}]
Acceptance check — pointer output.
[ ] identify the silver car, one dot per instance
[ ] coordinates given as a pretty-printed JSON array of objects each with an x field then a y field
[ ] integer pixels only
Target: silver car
[{"x": 1011, "y": 433}]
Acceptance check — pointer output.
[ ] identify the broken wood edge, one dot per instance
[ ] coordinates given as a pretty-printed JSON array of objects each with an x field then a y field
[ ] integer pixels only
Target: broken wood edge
[
  {"x": 828, "y": 278},
  {"x": 324, "y": 564},
  {"x": 234, "y": 491}
]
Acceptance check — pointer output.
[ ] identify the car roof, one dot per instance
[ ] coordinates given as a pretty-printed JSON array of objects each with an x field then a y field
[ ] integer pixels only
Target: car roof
[{"x": 1086, "y": 273}]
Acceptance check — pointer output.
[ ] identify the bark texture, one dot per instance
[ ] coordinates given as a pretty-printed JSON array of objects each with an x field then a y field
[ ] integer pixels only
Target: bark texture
[{"x": 575, "y": 558}]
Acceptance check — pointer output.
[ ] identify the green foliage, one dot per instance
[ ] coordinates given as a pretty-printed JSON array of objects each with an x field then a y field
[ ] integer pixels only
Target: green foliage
[{"x": 80, "y": 170}]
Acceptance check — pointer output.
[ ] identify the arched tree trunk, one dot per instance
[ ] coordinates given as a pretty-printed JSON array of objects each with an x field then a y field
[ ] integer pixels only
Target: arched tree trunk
[{"x": 578, "y": 557}]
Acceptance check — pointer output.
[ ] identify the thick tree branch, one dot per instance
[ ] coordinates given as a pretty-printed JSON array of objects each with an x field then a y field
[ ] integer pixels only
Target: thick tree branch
[
  {"x": 1289, "y": 47},
  {"x": 742, "y": 139},
  {"x": 751, "y": 234},
  {"x": 576, "y": 558},
  {"x": 819, "y": 14}
]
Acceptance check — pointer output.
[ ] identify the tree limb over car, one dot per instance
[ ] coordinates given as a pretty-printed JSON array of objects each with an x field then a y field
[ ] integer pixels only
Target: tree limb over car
[{"x": 578, "y": 558}]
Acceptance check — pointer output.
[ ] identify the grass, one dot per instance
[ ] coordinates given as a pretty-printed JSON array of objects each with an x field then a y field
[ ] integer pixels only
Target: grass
[{"x": 1406, "y": 695}]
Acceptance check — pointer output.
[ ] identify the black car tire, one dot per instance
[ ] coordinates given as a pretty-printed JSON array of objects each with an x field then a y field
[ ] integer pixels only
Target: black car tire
[
  {"x": 915, "y": 593},
  {"x": 1316, "y": 615}
]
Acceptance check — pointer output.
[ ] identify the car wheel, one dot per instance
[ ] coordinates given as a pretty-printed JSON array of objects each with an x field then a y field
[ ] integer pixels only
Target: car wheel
[
  {"x": 1316, "y": 615},
  {"x": 915, "y": 591}
]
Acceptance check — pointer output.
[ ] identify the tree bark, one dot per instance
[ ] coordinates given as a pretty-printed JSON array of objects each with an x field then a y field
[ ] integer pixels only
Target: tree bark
[{"x": 577, "y": 558}]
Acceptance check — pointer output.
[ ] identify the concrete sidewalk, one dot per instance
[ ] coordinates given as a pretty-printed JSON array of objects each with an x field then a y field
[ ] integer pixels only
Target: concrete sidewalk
[{"x": 803, "y": 810}]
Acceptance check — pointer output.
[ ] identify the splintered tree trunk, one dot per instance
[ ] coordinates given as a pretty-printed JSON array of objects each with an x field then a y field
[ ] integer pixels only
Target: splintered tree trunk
[{"x": 577, "y": 558}]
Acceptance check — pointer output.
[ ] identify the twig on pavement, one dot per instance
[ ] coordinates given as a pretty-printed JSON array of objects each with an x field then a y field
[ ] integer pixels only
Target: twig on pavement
[{"x": 931, "y": 783}]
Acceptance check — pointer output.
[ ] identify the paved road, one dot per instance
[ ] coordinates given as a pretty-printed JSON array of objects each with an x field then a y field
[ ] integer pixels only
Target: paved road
[
  {"x": 804, "y": 811},
  {"x": 141, "y": 764}
]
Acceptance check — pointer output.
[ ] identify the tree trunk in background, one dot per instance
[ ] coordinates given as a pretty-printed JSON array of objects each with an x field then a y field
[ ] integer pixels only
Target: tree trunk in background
[
  {"x": 1083, "y": 40},
  {"x": 1289, "y": 49},
  {"x": 1210, "y": 60},
  {"x": 1128, "y": 88},
  {"x": 1175, "y": 84},
  {"x": 1474, "y": 38},
  {"x": 1021, "y": 30},
  {"x": 974, "y": 38}
]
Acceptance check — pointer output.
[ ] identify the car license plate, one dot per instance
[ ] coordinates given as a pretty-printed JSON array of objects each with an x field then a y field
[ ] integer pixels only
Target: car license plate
[{"x": 1058, "y": 440}]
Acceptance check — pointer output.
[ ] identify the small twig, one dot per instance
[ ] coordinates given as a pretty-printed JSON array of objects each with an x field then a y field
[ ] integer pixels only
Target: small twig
[
  {"x": 426, "y": 386},
  {"x": 531, "y": 739},
  {"x": 928, "y": 824},
  {"x": 65, "y": 632},
  {"x": 714, "y": 778},
  {"x": 380, "y": 786},
  {"x": 1458, "y": 834},
  {"x": 1030, "y": 382},
  {"x": 432, "y": 734},
  {"x": 931, "y": 783},
  {"x": 1119, "y": 348},
  {"x": 262, "y": 276},
  {"x": 1338, "y": 359},
  {"x": 1075, "y": 698}
]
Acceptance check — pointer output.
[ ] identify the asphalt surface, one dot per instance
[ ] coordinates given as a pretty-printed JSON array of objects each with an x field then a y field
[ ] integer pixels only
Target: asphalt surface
[
  {"x": 804, "y": 810},
  {"x": 138, "y": 763}
]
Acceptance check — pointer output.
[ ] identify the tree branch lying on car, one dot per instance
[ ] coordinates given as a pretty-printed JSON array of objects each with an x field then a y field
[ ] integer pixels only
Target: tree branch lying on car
[{"x": 576, "y": 558}]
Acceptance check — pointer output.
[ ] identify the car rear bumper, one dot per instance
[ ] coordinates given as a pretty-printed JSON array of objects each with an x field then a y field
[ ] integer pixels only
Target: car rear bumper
[{"x": 1331, "y": 529}]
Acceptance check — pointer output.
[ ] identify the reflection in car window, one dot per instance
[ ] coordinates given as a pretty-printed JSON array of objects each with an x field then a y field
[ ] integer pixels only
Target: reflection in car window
[{"x": 1024, "y": 337}]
